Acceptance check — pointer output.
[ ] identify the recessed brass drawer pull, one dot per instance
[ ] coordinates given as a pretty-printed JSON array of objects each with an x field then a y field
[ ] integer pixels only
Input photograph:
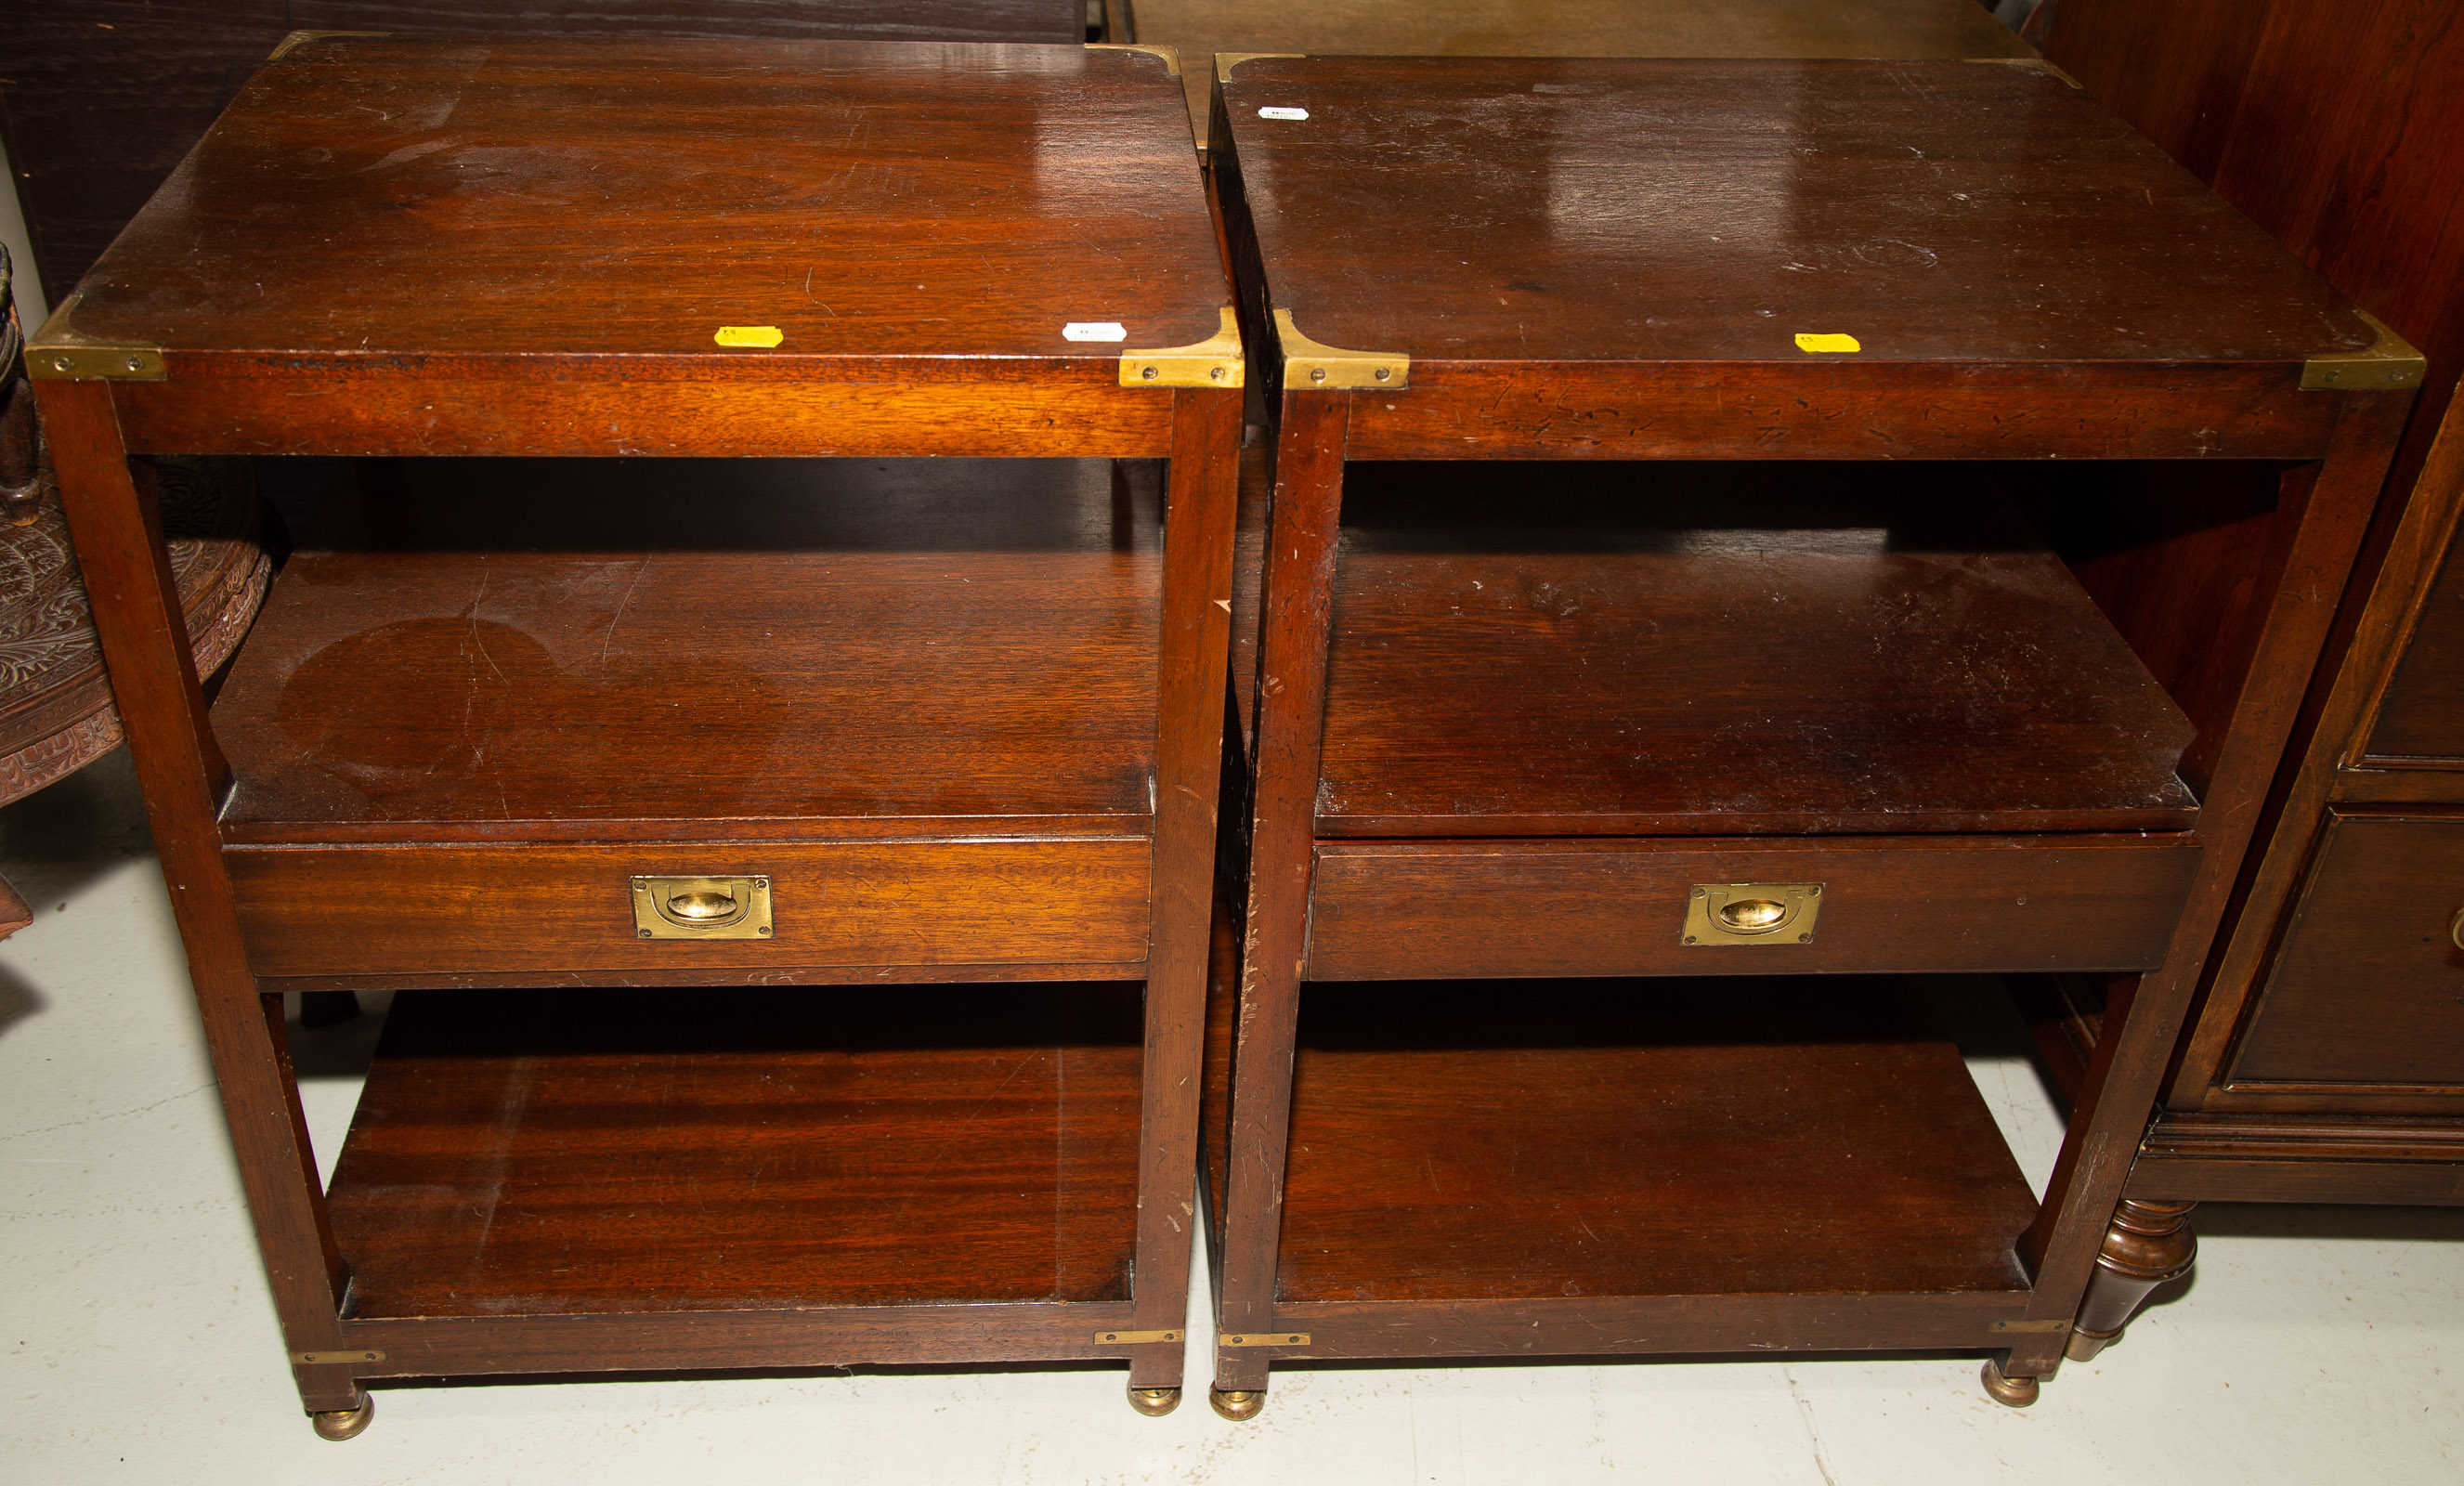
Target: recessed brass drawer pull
[
  {"x": 701, "y": 908},
  {"x": 1751, "y": 913}
]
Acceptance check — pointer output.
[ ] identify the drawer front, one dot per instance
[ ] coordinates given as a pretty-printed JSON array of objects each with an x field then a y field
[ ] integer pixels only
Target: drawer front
[
  {"x": 378, "y": 910},
  {"x": 1405, "y": 909},
  {"x": 2367, "y": 987}
]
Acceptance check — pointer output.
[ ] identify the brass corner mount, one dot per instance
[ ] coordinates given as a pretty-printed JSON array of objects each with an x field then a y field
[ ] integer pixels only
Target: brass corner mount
[
  {"x": 1215, "y": 361},
  {"x": 301, "y": 38},
  {"x": 1171, "y": 54},
  {"x": 2389, "y": 365},
  {"x": 57, "y": 353},
  {"x": 1310, "y": 368},
  {"x": 1226, "y": 61}
]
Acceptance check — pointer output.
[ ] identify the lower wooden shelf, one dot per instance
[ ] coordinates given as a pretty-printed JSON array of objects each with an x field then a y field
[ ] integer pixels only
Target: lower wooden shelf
[
  {"x": 1501, "y": 1145},
  {"x": 587, "y": 1153}
]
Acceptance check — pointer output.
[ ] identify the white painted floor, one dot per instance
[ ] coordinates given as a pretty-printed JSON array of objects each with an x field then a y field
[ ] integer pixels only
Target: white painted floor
[{"x": 136, "y": 1342}]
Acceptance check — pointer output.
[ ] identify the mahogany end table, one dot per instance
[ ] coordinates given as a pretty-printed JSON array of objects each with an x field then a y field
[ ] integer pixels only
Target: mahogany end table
[
  {"x": 772, "y": 816},
  {"x": 1750, "y": 539}
]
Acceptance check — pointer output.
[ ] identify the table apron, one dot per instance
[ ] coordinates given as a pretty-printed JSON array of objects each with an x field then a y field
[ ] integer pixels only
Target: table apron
[
  {"x": 1623, "y": 410},
  {"x": 313, "y": 413}
]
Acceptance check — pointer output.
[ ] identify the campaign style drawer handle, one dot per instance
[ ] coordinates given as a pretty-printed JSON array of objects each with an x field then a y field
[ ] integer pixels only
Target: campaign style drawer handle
[
  {"x": 2455, "y": 929},
  {"x": 1733, "y": 914},
  {"x": 701, "y": 908}
]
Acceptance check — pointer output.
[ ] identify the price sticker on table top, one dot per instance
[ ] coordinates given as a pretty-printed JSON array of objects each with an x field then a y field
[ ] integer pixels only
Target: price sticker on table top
[
  {"x": 1821, "y": 343},
  {"x": 1283, "y": 113},
  {"x": 1094, "y": 330}
]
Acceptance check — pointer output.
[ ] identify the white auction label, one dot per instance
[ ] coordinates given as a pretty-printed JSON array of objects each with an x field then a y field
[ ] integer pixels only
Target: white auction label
[
  {"x": 1283, "y": 113},
  {"x": 1094, "y": 330}
]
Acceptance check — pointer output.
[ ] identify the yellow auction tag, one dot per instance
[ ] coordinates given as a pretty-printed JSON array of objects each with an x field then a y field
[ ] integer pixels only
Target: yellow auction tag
[
  {"x": 1806, "y": 342},
  {"x": 767, "y": 335}
]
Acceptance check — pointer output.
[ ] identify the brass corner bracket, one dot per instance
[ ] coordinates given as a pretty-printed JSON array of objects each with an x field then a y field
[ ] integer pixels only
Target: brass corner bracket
[
  {"x": 1263, "y": 1339},
  {"x": 1135, "y": 1338},
  {"x": 1309, "y": 367},
  {"x": 1226, "y": 61},
  {"x": 2389, "y": 366},
  {"x": 1213, "y": 363},
  {"x": 2034, "y": 64},
  {"x": 57, "y": 353},
  {"x": 301, "y": 38},
  {"x": 1171, "y": 54}
]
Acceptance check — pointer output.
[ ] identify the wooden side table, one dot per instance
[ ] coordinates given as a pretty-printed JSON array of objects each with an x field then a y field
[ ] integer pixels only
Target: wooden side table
[
  {"x": 573, "y": 761},
  {"x": 1980, "y": 489}
]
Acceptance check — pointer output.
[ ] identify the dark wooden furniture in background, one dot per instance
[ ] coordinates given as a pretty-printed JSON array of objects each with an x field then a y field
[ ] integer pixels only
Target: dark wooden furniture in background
[
  {"x": 101, "y": 98},
  {"x": 885, "y": 724},
  {"x": 1824, "y": 705},
  {"x": 2325, "y": 1059},
  {"x": 1562, "y": 28}
]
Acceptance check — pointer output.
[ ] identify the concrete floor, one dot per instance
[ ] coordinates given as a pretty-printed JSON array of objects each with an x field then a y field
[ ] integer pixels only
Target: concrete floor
[{"x": 136, "y": 1342}]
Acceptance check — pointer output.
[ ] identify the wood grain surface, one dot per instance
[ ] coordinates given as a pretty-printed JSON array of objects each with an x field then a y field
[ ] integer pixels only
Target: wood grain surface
[
  {"x": 515, "y": 648},
  {"x": 1943, "y": 904},
  {"x": 590, "y": 1152},
  {"x": 2367, "y": 987},
  {"x": 102, "y": 97},
  {"x": 1578, "y": 28},
  {"x": 534, "y": 201},
  {"x": 1564, "y": 28},
  {"x": 1654, "y": 210},
  {"x": 1640, "y": 649},
  {"x": 1471, "y": 1141},
  {"x": 412, "y": 910}
]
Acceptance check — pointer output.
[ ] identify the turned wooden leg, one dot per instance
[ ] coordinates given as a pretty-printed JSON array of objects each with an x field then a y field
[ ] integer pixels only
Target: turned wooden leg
[{"x": 2150, "y": 1244}]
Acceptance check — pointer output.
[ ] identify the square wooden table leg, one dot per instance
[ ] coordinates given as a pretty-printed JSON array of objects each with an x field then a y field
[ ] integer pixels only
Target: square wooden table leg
[
  {"x": 117, "y": 523},
  {"x": 1292, "y": 691}
]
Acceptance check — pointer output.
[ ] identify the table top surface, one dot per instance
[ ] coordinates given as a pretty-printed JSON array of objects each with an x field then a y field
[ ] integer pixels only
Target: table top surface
[
  {"x": 375, "y": 196},
  {"x": 1576, "y": 209},
  {"x": 1579, "y": 28},
  {"x": 1569, "y": 28}
]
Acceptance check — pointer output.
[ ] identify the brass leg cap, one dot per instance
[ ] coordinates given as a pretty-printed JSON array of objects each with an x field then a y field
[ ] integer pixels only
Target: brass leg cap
[
  {"x": 2017, "y": 1393},
  {"x": 2085, "y": 1344},
  {"x": 1237, "y": 1403},
  {"x": 344, "y": 1423},
  {"x": 1154, "y": 1402}
]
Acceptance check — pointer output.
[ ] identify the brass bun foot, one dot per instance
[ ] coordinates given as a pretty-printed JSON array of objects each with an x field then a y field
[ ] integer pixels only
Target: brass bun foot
[
  {"x": 1154, "y": 1402},
  {"x": 1237, "y": 1403},
  {"x": 344, "y": 1423},
  {"x": 2085, "y": 1345},
  {"x": 2017, "y": 1393}
]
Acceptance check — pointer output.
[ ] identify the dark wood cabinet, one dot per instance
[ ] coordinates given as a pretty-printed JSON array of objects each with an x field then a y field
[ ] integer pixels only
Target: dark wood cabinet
[
  {"x": 2324, "y": 1058},
  {"x": 1740, "y": 536},
  {"x": 687, "y": 795}
]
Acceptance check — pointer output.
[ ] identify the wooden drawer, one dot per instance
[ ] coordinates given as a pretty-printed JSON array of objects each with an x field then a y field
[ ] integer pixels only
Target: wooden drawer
[
  {"x": 1407, "y": 909},
  {"x": 379, "y": 910},
  {"x": 2369, "y": 985}
]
